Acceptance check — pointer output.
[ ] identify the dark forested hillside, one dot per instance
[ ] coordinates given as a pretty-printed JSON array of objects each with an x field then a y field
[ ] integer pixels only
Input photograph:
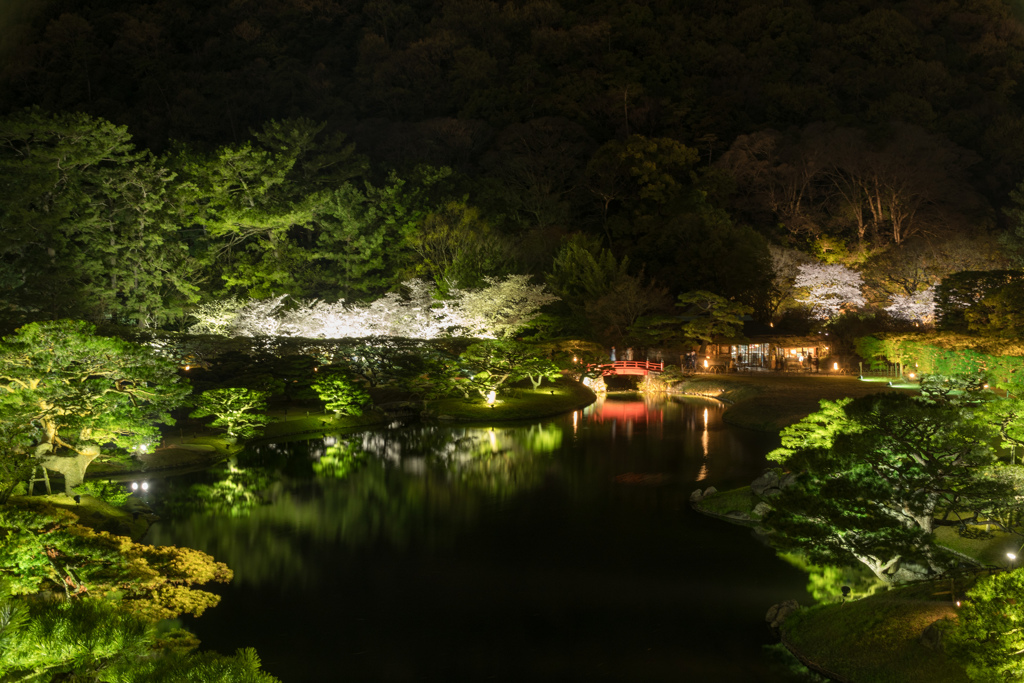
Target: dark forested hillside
[
  {"x": 438, "y": 81},
  {"x": 686, "y": 137}
]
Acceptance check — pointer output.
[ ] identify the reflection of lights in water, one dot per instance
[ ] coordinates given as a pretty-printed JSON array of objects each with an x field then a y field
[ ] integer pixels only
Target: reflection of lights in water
[
  {"x": 703, "y": 474},
  {"x": 704, "y": 436},
  {"x": 575, "y": 421},
  {"x": 330, "y": 440},
  {"x": 494, "y": 441}
]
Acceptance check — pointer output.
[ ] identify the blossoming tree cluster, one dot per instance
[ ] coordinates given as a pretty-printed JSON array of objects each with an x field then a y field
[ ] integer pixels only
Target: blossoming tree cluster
[
  {"x": 492, "y": 312},
  {"x": 916, "y": 308},
  {"x": 831, "y": 289}
]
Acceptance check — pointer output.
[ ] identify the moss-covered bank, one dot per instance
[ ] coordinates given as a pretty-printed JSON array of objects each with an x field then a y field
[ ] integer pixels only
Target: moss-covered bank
[
  {"x": 520, "y": 403},
  {"x": 879, "y": 639}
]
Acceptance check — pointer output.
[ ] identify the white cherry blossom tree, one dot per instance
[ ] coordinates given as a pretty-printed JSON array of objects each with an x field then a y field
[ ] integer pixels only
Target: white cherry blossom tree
[
  {"x": 829, "y": 289},
  {"x": 498, "y": 310},
  {"x": 502, "y": 308},
  {"x": 918, "y": 307}
]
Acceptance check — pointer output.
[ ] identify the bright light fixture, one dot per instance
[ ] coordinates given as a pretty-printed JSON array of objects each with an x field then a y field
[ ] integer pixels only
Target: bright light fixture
[{"x": 491, "y": 396}]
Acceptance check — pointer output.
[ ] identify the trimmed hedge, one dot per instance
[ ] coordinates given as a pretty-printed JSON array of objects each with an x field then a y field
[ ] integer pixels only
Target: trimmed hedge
[{"x": 944, "y": 353}]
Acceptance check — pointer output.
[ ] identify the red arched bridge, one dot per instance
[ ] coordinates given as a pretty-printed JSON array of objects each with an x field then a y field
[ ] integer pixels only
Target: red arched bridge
[{"x": 628, "y": 367}]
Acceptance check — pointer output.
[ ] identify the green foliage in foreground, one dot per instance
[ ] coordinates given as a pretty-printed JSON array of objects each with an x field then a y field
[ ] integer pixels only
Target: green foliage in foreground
[
  {"x": 44, "y": 550},
  {"x": 93, "y": 640},
  {"x": 989, "y": 635}
]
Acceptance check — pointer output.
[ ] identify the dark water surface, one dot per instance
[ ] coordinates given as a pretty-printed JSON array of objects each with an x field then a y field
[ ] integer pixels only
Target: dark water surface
[{"x": 561, "y": 549}]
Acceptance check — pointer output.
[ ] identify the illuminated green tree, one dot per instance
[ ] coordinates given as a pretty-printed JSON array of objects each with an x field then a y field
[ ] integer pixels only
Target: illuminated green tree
[
  {"x": 492, "y": 363},
  {"x": 456, "y": 246},
  {"x": 73, "y": 396},
  {"x": 89, "y": 222},
  {"x": 713, "y": 316},
  {"x": 239, "y": 411},
  {"x": 871, "y": 476},
  {"x": 341, "y": 395}
]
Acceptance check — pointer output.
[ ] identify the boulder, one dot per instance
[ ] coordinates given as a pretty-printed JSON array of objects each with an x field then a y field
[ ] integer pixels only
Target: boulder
[
  {"x": 696, "y": 496},
  {"x": 768, "y": 480},
  {"x": 761, "y": 509},
  {"x": 908, "y": 571},
  {"x": 777, "y": 613},
  {"x": 931, "y": 637},
  {"x": 711, "y": 490}
]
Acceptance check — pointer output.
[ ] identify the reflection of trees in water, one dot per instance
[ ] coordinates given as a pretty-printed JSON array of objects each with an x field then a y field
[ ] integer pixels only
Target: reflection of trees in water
[{"x": 418, "y": 485}]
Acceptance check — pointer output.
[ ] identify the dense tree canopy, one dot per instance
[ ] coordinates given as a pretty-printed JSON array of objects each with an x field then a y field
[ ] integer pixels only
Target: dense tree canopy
[
  {"x": 72, "y": 396},
  {"x": 872, "y": 475}
]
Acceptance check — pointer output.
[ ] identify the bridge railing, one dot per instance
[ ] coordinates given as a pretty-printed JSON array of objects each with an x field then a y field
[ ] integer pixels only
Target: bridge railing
[{"x": 647, "y": 365}]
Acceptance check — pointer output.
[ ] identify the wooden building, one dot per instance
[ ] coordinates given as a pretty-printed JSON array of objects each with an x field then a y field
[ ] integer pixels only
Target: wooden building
[{"x": 770, "y": 353}]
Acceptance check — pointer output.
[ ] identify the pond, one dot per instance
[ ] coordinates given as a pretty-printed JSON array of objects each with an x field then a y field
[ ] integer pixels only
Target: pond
[{"x": 560, "y": 549}]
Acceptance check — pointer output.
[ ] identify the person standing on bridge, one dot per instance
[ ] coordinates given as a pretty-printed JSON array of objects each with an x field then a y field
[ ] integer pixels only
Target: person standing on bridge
[
  {"x": 613, "y": 354},
  {"x": 629, "y": 353}
]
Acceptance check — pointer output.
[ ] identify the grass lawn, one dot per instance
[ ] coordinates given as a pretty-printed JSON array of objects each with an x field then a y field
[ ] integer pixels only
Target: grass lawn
[
  {"x": 770, "y": 401},
  {"x": 989, "y": 550},
  {"x": 877, "y": 639},
  {"x": 306, "y": 422},
  {"x": 92, "y": 512},
  {"x": 517, "y": 403}
]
